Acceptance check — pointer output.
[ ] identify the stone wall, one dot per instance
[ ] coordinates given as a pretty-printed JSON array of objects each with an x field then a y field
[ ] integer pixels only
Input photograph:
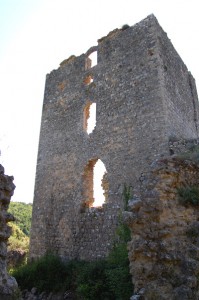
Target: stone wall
[
  {"x": 163, "y": 252},
  {"x": 180, "y": 95},
  {"x": 143, "y": 96},
  {"x": 7, "y": 283}
]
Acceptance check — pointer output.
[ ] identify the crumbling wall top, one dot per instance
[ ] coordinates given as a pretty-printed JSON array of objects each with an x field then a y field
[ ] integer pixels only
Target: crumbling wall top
[{"x": 148, "y": 21}]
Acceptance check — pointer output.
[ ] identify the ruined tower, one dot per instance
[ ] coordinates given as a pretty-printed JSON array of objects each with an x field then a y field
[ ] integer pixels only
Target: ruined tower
[{"x": 144, "y": 96}]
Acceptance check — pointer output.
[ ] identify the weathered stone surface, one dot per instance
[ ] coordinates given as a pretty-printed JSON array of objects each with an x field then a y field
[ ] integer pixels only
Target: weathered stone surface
[
  {"x": 163, "y": 252},
  {"x": 144, "y": 95},
  {"x": 7, "y": 283}
]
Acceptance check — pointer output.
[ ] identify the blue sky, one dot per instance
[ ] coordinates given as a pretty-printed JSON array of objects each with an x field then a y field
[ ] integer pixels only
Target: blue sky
[{"x": 36, "y": 35}]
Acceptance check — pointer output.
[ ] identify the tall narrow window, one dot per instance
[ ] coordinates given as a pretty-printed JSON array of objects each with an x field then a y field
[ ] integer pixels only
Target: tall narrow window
[
  {"x": 95, "y": 183},
  {"x": 99, "y": 183},
  {"x": 89, "y": 117},
  {"x": 91, "y": 60}
]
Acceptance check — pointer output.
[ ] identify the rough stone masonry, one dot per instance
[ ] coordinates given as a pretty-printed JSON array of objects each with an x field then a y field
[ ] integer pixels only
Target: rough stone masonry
[
  {"x": 164, "y": 248},
  {"x": 144, "y": 97},
  {"x": 8, "y": 284}
]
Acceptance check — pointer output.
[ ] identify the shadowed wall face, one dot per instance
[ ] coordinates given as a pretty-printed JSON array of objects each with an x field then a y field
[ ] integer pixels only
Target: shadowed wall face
[{"x": 132, "y": 87}]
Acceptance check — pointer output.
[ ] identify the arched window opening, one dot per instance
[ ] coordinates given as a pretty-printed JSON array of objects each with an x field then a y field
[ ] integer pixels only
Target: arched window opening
[
  {"x": 89, "y": 117},
  {"x": 100, "y": 184},
  {"x": 95, "y": 184},
  {"x": 88, "y": 80},
  {"x": 91, "y": 60}
]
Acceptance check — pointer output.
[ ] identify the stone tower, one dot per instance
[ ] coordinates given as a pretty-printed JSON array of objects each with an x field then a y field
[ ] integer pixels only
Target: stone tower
[{"x": 144, "y": 96}]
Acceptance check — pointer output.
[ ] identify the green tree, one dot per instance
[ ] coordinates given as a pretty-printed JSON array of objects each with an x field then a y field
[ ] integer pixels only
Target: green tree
[
  {"x": 23, "y": 214},
  {"x": 18, "y": 239}
]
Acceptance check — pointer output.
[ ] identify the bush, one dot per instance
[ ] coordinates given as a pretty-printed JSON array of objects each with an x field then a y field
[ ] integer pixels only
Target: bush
[
  {"x": 189, "y": 195},
  {"x": 119, "y": 282},
  {"x": 125, "y": 26},
  {"x": 91, "y": 281},
  {"x": 117, "y": 271},
  {"x": 107, "y": 279},
  {"x": 104, "y": 279},
  {"x": 48, "y": 274}
]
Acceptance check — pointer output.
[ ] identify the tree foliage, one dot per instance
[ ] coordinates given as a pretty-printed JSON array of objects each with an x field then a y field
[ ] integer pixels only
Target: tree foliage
[
  {"x": 18, "y": 239},
  {"x": 23, "y": 214}
]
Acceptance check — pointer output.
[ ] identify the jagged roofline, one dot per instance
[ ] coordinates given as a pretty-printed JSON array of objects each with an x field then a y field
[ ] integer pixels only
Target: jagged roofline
[{"x": 150, "y": 18}]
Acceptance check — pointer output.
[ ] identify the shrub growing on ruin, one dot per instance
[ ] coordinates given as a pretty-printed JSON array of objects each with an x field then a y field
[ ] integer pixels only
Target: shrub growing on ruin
[
  {"x": 126, "y": 195},
  {"x": 107, "y": 279},
  {"x": 91, "y": 281},
  {"x": 189, "y": 195},
  {"x": 125, "y": 26},
  {"x": 48, "y": 274},
  {"x": 192, "y": 154},
  {"x": 104, "y": 279}
]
